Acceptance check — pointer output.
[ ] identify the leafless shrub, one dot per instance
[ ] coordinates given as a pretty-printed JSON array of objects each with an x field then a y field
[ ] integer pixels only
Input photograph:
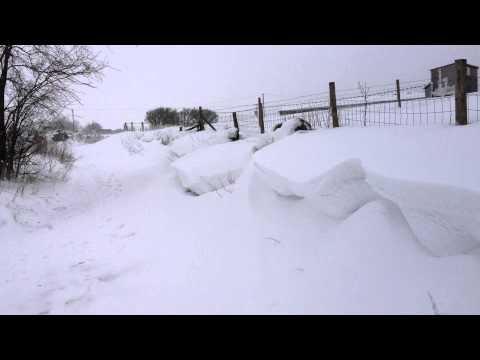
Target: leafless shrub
[
  {"x": 37, "y": 81},
  {"x": 364, "y": 90}
]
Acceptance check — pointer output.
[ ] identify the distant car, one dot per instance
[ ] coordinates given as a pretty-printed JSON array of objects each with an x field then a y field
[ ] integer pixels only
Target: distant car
[{"x": 60, "y": 135}]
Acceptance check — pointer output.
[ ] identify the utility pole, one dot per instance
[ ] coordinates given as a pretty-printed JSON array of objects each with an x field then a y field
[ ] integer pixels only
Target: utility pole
[{"x": 73, "y": 120}]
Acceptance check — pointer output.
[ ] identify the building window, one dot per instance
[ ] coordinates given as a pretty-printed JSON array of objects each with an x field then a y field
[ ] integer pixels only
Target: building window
[{"x": 468, "y": 71}]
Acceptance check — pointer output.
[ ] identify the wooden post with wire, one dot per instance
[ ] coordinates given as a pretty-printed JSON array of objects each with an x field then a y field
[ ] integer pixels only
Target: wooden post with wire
[
  {"x": 399, "y": 101},
  {"x": 460, "y": 95},
  {"x": 333, "y": 104},
  {"x": 235, "y": 121},
  {"x": 131, "y": 126},
  {"x": 260, "y": 116},
  {"x": 201, "y": 125},
  {"x": 204, "y": 120},
  {"x": 143, "y": 127}
]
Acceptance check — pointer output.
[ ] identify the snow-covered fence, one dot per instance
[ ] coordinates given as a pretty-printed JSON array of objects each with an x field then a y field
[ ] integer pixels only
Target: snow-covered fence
[
  {"x": 365, "y": 106},
  {"x": 137, "y": 126}
]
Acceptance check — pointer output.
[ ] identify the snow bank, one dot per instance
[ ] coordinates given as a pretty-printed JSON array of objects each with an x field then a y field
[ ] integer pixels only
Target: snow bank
[
  {"x": 195, "y": 140},
  {"x": 167, "y": 135},
  {"x": 445, "y": 219},
  {"x": 288, "y": 128},
  {"x": 444, "y": 155},
  {"x": 214, "y": 167},
  {"x": 132, "y": 144},
  {"x": 338, "y": 192}
]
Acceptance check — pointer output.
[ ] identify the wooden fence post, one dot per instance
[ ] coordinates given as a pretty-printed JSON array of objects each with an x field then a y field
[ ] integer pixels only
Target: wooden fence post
[
  {"x": 333, "y": 104},
  {"x": 201, "y": 125},
  {"x": 460, "y": 95},
  {"x": 398, "y": 94},
  {"x": 131, "y": 126},
  {"x": 235, "y": 122},
  {"x": 204, "y": 120},
  {"x": 260, "y": 116}
]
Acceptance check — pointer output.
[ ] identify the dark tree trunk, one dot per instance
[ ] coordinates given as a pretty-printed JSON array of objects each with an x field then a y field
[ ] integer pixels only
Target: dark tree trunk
[
  {"x": 3, "y": 133},
  {"x": 10, "y": 158}
]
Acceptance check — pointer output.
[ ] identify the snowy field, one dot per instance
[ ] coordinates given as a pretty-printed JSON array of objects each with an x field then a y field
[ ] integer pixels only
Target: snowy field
[{"x": 330, "y": 221}]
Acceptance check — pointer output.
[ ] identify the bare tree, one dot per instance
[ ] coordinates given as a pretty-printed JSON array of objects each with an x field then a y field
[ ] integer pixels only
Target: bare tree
[
  {"x": 37, "y": 80},
  {"x": 364, "y": 90}
]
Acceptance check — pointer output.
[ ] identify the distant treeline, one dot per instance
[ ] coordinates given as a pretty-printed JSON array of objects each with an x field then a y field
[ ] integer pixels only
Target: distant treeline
[{"x": 162, "y": 116}]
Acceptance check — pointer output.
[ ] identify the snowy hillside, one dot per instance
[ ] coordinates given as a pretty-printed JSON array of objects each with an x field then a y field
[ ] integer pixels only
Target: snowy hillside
[{"x": 330, "y": 221}]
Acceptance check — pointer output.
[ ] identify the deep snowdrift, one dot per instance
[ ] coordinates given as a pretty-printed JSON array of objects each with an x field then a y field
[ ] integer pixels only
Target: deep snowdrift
[
  {"x": 192, "y": 141},
  {"x": 213, "y": 167},
  {"x": 209, "y": 161},
  {"x": 346, "y": 221}
]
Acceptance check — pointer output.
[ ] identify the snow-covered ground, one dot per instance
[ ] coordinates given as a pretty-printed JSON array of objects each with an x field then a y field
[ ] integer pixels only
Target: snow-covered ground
[{"x": 348, "y": 220}]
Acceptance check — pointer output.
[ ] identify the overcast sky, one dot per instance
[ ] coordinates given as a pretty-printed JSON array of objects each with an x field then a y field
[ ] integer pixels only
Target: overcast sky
[{"x": 145, "y": 77}]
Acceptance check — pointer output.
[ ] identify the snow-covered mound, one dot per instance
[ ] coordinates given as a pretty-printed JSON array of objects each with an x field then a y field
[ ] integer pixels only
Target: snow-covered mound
[
  {"x": 440, "y": 155},
  {"x": 210, "y": 163},
  {"x": 444, "y": 218},
  {"x": 192, "y": 141},
  {"x": 213, "y": 167},
  {"x": 288, "y": 128},
  {"x": 167, "y": 135},
  {"x": 132, "y": 143},
  {"x": 338, "y": 193}
]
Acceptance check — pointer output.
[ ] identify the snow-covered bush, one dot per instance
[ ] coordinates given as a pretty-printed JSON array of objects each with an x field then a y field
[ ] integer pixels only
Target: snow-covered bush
[{"x": 53, "y": 161}]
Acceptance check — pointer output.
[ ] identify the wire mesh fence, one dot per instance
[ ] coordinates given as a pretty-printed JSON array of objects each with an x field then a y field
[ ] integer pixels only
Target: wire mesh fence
[
  {"x": 407, "y": 106},
  {"x": 365, "y": 105}
]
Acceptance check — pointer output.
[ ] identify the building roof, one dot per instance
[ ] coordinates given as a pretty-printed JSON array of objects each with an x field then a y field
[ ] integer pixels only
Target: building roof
[{"x": 439, "y": 67}]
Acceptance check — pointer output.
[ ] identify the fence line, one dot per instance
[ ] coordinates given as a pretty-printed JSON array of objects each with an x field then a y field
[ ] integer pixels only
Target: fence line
[
  {"x": 395, "y": 104},
  {"x": 402, "y": 106}
]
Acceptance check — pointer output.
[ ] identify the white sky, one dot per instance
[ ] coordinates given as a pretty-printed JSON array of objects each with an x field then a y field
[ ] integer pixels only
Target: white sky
[{"x": 217, "y": 76}]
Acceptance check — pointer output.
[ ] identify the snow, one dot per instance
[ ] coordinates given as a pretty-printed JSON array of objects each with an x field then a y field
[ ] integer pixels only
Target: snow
[
  {"x": 336, "y": 221},
  {"x": 196, "y": 140},
  {"x": 214, "y": 167},
  {"x": 288, "y": 128},
  {"x": 445, "y": 219},
  {"x": 443, "y": 155}
]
